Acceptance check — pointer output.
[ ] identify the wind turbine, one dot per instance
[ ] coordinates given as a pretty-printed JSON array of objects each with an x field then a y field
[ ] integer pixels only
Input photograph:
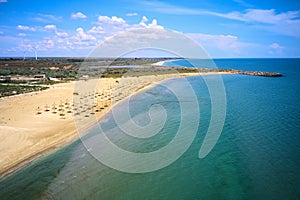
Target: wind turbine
[
  {"x": 35, "y": 51},
  {"x": 24, "y": 55}
]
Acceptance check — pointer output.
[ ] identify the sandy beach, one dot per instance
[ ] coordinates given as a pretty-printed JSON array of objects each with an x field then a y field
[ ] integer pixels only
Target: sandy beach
[
  {"x": 161, "y": 63},
  {"x": 34, "y": 124}
]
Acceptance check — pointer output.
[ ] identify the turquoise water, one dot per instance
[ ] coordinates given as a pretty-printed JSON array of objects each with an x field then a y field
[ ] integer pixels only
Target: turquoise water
[{"x": 256, "y": 157}]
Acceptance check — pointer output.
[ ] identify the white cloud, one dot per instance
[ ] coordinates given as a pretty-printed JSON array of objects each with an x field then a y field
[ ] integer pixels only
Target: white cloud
[
  {"x": 112, "y": 20},
  {"x": 131, "y": 14},
  {"x": 84, "y": 36},
  {"x": 43, "y": 45},
  {"x": 107, "y": 26},
  {"x": 275, "y": 46},
  {"x": 149, "y": 38},
  {"x": 143, "y": 21},
  {"x": 249, "y": 15},
  {"x": 284, "y": 23},
  {"x": 268, "y": 16},
  {"x": 227, "y": 45},
  {"x": 153, "y": 24},
  {"x": 80, "y": 39},
  {"x": 275, "y": 49},
  {"x": 24, "y": 46},
  {"x": 287, "y": 27},
  {"x": 144, "y": 18},
  {"x": 1, "y": 32},
  {"x": 26, "y": 28},
  {"x": 48, "y": 43},
  {"x": 62, "y": 34},
  {"x": 50, "y": 27},
  {"x": 95, "y": 30},
  {"x": 22, "y": 34},
  {"x": 3, "y": 1},
  {"x": 60, "y": 40},
  {"x": 78, "y": 15},
  {"x": 46, "y": 18},
  {"x": 260, "y": 16}
]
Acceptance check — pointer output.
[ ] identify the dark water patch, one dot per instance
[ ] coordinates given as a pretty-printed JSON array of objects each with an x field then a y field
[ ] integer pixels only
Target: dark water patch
[{"x": 30, "y": 182}]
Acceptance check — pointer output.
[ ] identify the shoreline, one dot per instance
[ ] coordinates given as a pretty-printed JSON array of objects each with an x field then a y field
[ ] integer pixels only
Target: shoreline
[
  {"x": 54, "y": 141},
  {"x": 161, "y": 63},
  {"x": 53, "y": 149}
]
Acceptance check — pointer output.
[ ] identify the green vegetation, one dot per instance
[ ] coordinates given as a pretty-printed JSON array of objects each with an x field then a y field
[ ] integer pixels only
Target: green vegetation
[
  {"x": 64, "y": 68},
  {"x": 11, "y": 89},
  {"x": 46, "y": 82},
  {"x": 139, "y": 71}
]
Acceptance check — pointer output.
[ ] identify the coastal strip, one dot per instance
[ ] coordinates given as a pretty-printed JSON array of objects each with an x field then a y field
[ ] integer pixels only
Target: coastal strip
[
  {"x": 34, "y": 124},
  {"x": 214, "y": 70}
]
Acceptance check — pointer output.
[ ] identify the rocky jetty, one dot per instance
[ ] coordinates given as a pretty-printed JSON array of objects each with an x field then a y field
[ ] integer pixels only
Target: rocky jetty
[{"x": 253, "y": 73}]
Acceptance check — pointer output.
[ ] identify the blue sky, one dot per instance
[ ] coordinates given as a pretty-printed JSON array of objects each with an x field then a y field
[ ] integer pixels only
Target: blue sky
[{"x": 225, "y": 29}]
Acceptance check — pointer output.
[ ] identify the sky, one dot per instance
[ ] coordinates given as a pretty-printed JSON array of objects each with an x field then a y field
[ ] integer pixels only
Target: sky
[{"x": 224, "y": 29}]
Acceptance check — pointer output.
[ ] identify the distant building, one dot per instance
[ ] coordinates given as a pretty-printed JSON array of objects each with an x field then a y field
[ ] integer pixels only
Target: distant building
[
  {"x": 40, "y": 76},
  {"x": 5, "y": 78}
]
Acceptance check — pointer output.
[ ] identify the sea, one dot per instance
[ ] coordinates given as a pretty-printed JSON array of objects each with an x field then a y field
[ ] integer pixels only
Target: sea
[{"x": 255, "y": 156}]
